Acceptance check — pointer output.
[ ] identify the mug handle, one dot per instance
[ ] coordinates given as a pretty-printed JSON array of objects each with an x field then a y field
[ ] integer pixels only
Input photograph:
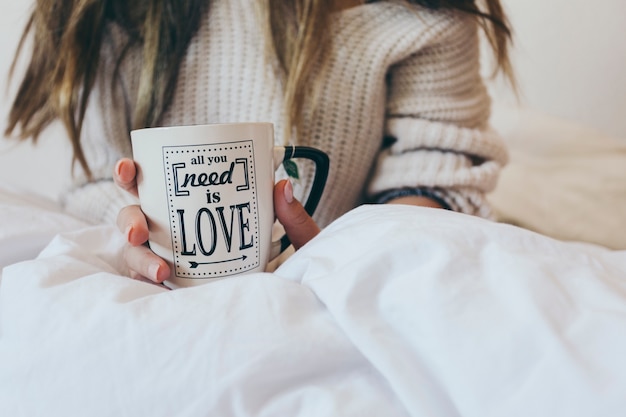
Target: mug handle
[{"x": 322, "y": 163}]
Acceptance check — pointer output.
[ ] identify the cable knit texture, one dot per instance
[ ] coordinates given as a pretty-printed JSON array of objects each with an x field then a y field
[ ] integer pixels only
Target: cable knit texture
[{"x": 409, "y": 74}]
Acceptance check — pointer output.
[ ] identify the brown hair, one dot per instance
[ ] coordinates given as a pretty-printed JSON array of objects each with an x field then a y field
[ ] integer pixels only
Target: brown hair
[{"x": 68, "y": 38}]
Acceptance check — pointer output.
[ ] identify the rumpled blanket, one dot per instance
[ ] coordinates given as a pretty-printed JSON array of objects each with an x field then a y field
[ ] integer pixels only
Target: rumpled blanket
[{"x": 390, "y": 311}]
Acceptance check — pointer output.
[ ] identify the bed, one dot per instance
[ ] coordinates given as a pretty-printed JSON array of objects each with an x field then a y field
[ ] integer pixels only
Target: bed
[{"x": 458, "y": 316}]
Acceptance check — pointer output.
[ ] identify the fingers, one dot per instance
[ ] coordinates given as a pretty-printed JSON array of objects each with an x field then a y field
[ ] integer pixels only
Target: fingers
[
  {"x": 299, "y": 226},
  {"x": 132, "y": 222},
  {"x": 141, "y": 261},
  {"x": 125, "y": 174},
  {"x": 144, "y": 263}
]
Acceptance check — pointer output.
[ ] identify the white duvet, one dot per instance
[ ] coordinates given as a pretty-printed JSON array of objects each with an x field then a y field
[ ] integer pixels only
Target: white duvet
[{"x": 391, "y": 311}]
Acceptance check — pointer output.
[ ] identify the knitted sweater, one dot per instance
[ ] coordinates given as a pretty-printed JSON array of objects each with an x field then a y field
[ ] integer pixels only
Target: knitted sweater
[{"x": 400, "y": 76}]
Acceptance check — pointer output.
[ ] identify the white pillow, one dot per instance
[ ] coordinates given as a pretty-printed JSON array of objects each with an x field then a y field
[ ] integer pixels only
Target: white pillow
[{"x": 564, "y": 180}]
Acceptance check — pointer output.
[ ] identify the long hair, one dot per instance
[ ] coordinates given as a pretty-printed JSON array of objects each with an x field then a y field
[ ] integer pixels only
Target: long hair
[{"x": 68, "y": 34}]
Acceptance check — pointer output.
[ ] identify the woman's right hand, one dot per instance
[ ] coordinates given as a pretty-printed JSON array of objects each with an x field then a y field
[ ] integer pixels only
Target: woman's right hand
[{"x": 146, "y": 265}]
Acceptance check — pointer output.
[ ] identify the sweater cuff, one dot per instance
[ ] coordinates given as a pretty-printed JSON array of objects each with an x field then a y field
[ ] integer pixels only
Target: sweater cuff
[
  {"x": 97, "y": 202},
  {"x": 432, "y": 193},
  {"x": 462, "y": 200}
]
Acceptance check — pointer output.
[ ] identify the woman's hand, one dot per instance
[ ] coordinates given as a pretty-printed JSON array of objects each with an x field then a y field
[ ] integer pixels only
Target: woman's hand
[
  {"x": 144, "y": 264},
  {"x": 141, "y": 261},
  {"x": 298, "y": 225}
]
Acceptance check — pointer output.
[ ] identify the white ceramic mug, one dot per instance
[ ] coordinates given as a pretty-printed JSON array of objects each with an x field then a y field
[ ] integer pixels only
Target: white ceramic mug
[{"x": 207, "y": 192}]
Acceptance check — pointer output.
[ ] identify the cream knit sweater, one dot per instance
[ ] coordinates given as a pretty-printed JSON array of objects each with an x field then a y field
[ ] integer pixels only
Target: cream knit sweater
[{"x": 409, "y": 75}]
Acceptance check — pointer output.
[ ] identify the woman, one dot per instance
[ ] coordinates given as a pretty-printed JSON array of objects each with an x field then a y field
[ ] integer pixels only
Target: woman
[{"x": 390, "y": 90}]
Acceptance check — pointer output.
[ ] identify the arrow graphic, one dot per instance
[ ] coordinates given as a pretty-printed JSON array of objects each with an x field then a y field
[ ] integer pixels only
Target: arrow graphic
[{"x": 194, "y": 265}]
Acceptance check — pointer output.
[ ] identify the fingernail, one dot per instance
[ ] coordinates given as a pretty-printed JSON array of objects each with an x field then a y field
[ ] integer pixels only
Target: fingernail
[
  {"x": 128, "y": 232},
  {"x": 288, "y": 190},
  {"x": 153, "y": 271},
  {"x": 118, "y": 168}
]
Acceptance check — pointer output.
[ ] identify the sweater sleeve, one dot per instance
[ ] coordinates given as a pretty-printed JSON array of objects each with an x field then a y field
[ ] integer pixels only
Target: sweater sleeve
[
  {"x": 437, "y": 115},
  {"x": 105, "y": 136}
]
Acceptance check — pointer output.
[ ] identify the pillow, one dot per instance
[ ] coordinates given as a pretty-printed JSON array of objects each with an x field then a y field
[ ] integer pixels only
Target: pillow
[{"x": 564, "y": 180}]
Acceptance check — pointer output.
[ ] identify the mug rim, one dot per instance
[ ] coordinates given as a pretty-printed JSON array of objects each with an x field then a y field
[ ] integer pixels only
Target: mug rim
[{"x": 224, "y": 124}]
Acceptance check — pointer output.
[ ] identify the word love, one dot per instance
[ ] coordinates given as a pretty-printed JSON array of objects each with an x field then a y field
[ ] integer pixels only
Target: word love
[{"x": 209, "y": 226}]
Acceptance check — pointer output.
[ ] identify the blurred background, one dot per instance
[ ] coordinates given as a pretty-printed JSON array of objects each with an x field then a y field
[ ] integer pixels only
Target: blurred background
[
  {"x": 570, "y": 59},
  {"x": 569, "y": 56}
]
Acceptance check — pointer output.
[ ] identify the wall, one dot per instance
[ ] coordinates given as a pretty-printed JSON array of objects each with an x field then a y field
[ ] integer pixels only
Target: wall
[
  {"x": 42, "y": 169},
  {"x": 571, "y": 60}
]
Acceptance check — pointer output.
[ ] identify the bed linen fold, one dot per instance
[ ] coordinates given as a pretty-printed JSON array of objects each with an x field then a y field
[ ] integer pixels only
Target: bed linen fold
[{"x": 394, "y": 311}]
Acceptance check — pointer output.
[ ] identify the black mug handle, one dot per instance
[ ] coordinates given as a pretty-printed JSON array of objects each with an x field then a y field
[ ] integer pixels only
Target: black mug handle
[{"x": 322, "y": 163}]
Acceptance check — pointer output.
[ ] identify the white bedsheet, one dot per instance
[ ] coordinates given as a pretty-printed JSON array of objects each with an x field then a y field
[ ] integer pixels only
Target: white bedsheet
[
  {"x": 391, "y": 311},
  {"x": 27, "y": 224}
]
